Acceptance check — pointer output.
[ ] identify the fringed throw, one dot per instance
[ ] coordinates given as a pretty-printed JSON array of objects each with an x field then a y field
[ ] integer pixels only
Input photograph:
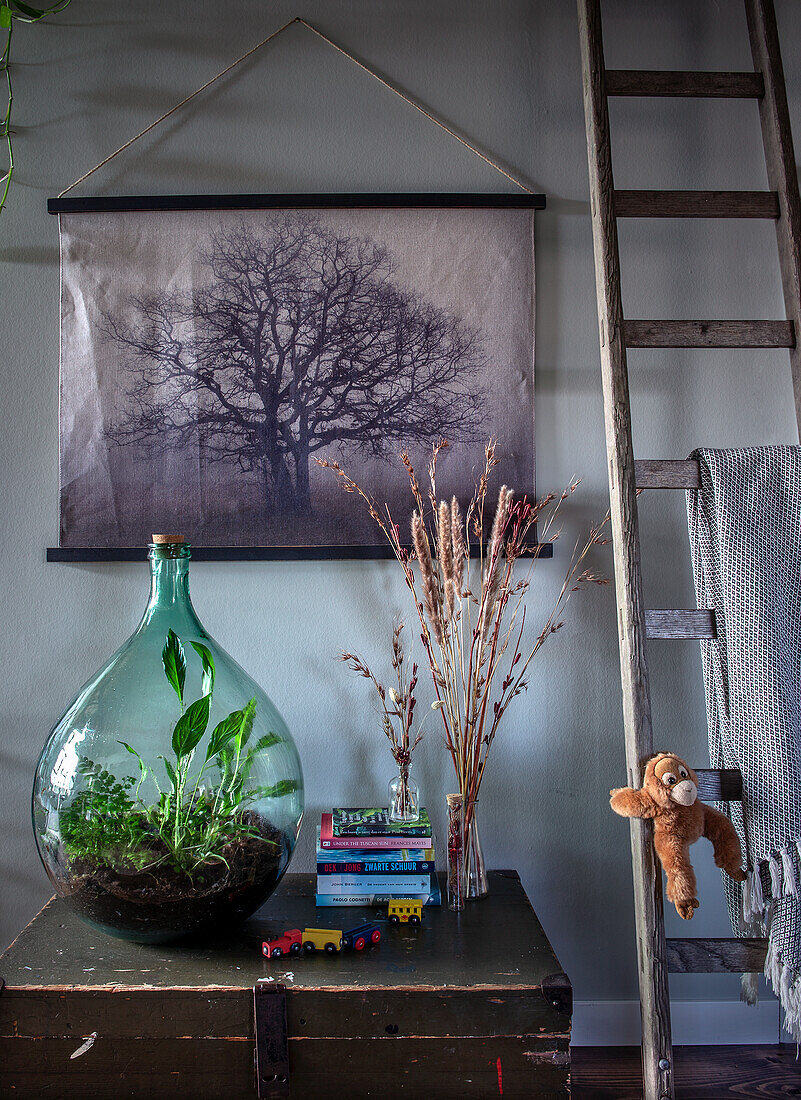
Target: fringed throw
[{"x": 745, "y": 537}]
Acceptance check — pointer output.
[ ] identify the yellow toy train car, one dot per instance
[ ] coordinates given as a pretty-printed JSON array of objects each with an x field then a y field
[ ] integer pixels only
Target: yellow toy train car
[
  {"x": 405, "y": 910},
  {"x": 322, "y": 939}
]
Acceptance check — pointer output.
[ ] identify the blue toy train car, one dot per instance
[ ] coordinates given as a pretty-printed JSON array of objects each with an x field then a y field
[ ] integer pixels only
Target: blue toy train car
[{"x": 361, "y": 936}]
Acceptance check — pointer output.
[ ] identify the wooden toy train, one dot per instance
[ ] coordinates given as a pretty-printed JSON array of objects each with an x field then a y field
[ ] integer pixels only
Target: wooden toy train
[
  {"x": 333, "y": 940},
  {"x": 330, "y": 940}
]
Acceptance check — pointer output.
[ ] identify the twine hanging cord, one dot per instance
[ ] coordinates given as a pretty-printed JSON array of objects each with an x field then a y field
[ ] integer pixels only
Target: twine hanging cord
[{"x": 371, "y": 72}]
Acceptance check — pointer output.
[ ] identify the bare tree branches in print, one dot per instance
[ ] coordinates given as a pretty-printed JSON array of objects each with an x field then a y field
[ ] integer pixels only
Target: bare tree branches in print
[
  {"x": 300, "y": 340},
  {"x": 207, "y": 357}
]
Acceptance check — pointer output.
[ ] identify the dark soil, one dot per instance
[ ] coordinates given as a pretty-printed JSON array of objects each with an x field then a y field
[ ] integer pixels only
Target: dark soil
[{"x": 164, "y": 903}]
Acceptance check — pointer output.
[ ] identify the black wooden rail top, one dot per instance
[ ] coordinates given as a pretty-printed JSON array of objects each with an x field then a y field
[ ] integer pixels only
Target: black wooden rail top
[
  {"x": 77, "y": 554},
  {"x": 118, "y": 204}
]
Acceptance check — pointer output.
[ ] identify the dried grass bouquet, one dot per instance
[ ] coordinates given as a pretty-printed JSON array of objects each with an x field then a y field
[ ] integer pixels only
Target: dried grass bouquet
[{"x": 472, "y": 610}]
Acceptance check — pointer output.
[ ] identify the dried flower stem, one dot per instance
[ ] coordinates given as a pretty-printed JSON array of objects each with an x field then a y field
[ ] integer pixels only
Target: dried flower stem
[{"x": 397, "y": 704}]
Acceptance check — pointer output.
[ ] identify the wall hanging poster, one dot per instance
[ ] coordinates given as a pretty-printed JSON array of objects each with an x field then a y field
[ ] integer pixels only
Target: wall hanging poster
[{"x": 208, "y": 356}]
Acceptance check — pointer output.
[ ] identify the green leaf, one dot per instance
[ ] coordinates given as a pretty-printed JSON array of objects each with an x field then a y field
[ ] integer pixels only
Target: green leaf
[
  {"x": 40, "y": 13},
  {"x": 285, "y": 786},
  {"x": 133, "y": 752},
  {"x": 224, "y": 732},
  {"x": 265, "y": 742},
  {"x": 32, "y": 13},
  {"x": 237, "y": 727},
  {"x": 170, "y": 772},
  {"x": 5, "y": 15},
  {"x": 130, "y": 749},
  {"x": 190, "y": 727},
  {"x": 204, "y": 653},
  {"x": 248, "y": 714},
  {"x": 174, "y": 661}
]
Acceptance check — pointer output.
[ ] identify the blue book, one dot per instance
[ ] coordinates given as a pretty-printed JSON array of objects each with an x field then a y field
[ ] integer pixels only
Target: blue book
[{"x": 373, "y": 867}]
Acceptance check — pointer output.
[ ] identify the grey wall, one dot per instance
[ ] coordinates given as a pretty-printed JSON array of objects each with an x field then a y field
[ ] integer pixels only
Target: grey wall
[{"x": 300, "y": 117}]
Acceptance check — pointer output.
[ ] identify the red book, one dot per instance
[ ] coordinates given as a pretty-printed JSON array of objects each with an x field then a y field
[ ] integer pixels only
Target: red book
[{"x": 373, "y": 843}]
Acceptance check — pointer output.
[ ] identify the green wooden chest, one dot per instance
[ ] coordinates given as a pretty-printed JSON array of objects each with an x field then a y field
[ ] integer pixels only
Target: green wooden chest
[{"x": 467, "y": 1005}]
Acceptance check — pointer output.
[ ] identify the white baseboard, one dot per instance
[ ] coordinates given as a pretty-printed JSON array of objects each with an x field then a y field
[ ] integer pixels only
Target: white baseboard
[{"x": 694, "y": 1023}]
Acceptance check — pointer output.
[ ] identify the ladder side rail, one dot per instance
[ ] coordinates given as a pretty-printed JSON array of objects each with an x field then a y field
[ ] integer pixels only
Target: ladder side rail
[
  {"x": 777, "y": 138},
  {"x": 649, "y": 917}
]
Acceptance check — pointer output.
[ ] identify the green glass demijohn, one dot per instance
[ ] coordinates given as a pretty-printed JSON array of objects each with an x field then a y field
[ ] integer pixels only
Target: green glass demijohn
[{"x": 169, "y": 796}]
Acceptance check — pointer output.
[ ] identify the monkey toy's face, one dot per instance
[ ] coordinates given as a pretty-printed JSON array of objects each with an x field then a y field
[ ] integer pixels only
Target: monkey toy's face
[{"x": 669, "y": 779}]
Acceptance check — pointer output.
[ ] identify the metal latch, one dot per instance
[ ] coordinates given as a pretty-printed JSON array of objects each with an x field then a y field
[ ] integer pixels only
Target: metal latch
[
  {"x": 558, "y": 992},
  {"x": 272, "y": 1049}
]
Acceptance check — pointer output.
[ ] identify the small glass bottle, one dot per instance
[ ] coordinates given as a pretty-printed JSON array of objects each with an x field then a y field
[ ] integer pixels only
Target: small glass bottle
[
  {"x": 404, "y": 797},
  {"x": 168, "y": 797}
]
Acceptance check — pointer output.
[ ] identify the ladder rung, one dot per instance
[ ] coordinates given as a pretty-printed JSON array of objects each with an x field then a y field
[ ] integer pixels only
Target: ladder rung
[
  {"x": 660, "y": 82},
  {"x": 720, "y": 784},
  {"x": 696, "y": 204},
  {"x": 667, "y": 473},
  {"x": 723, "y": 956},
  {"x": 694, "y": 623},
  {"x": 709, "y": 334}
]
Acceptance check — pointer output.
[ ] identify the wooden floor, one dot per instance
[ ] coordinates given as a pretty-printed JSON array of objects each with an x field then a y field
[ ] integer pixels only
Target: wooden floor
[{"x": 702, "y": 1073}]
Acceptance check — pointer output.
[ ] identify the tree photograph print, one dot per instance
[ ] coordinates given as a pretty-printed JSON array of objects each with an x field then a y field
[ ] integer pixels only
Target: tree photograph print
[{"x": 209, "y": 357}]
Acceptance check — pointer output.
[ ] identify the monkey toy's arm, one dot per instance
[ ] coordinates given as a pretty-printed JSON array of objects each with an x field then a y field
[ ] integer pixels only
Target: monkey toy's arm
[
  {"x": 630, "y": 803},
  {"x": 720, "y": 831}
]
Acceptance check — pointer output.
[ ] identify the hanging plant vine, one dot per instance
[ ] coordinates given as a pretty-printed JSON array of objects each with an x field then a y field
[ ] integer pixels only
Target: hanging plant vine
[{"x": 9, "y": 12}]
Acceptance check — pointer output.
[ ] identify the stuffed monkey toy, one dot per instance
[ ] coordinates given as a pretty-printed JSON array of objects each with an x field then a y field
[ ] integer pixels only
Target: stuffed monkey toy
[{"x": 669, "y": 796}]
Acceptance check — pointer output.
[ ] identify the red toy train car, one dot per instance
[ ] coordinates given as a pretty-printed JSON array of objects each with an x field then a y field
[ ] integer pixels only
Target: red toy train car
[{"x": 291, "y": 943}]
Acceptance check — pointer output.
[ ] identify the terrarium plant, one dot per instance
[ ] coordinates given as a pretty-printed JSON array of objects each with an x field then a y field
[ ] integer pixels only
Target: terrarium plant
[
  {"x": 472, "y": 610},
  {"x": 398, "y": 723},
  {"x": 174, "y": 818},
  {"x": 169, "y": 796}
]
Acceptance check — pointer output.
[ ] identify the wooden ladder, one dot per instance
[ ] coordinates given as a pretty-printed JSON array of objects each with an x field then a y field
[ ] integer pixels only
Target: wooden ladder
[{"x": 656, "y": 956}]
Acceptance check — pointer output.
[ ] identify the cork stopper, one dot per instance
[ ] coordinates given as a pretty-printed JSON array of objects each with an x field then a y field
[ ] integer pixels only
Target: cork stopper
[{"x": 160, "y": 540}]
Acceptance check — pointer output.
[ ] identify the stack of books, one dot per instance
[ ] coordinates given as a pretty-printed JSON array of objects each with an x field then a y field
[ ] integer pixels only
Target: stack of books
[{"x": 365, "y": 859}]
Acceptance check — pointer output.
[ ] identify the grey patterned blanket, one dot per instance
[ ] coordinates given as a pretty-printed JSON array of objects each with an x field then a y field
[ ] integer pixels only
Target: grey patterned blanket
[{"x": 745, "y": 538}]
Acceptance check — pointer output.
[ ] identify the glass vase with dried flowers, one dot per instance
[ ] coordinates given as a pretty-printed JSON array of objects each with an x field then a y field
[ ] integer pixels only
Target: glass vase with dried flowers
[
  {"x": 472, "y": 612},
  {"x": 397, "y": 721},
  {"x": 455, "y": 842}
]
